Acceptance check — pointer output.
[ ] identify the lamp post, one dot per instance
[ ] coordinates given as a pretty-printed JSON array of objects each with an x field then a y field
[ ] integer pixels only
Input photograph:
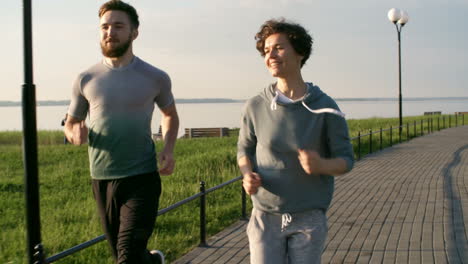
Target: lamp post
[
  {"x": 399, "y": 18},
  {"x": 31, "y": 189}
]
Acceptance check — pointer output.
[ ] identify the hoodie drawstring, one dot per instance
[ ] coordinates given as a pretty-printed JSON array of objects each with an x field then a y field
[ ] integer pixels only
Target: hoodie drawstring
[
  {"x": 273, "y": 102},
  {"x": 286, "y": 220},
  {"x": 273, "y": 107},
  {"x": 324, "y": 110}
]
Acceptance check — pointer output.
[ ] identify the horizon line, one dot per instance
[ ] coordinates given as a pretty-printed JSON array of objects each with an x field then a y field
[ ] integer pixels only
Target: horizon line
[{"x": 227, "y": 100}]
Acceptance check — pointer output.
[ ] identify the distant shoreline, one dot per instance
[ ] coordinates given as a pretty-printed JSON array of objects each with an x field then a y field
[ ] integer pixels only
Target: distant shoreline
[{"x": 226, "y": 100}]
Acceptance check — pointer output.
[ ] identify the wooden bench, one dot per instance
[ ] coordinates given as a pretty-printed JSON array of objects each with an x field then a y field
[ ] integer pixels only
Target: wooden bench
[
  {"x": 433, "y": 113},
  {"x": 206, "y": 132}
]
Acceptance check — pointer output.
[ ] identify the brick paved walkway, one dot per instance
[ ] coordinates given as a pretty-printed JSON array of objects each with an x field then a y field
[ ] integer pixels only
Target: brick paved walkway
[{"x": 405, "y": 204}]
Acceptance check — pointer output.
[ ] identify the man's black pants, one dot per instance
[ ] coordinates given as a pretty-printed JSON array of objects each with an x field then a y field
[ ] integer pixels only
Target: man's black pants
[{"x": 128, "y": 208}]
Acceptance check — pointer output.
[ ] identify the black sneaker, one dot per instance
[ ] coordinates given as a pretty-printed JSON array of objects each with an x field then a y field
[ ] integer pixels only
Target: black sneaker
[{"x": 157, "y": 256}]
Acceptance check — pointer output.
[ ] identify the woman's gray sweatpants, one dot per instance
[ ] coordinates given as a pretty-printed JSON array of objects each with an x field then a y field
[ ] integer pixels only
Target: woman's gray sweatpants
[{"x": 275, "y": 240}]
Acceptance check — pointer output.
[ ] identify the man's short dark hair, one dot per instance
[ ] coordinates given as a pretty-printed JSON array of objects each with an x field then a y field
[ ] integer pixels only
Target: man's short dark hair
[
  {"x": 121, "y": 6},
  {"x": 296, "y": 34}
]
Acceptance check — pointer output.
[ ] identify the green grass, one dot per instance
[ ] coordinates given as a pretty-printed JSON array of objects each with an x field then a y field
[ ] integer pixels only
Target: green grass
[{"x": 67, "y": 208}]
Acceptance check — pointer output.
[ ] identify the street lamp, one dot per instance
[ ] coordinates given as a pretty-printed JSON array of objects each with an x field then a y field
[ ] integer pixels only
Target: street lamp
[{"x": 399, "y": 18}]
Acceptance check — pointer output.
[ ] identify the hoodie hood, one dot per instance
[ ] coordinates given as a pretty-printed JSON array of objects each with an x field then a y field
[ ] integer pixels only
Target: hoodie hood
[{"x": 312, "y": 97}]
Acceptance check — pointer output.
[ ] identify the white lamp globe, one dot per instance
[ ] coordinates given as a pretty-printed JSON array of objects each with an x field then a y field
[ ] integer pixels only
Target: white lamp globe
[
  {"x": 404, "y": 18},
  {"x": 394, "y": 15}
]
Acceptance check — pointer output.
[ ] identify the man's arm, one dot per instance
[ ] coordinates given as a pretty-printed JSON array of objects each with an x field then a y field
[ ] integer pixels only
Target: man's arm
[
  {"x": 75, "y": 131},
  {"x": 170, "y": 129}
]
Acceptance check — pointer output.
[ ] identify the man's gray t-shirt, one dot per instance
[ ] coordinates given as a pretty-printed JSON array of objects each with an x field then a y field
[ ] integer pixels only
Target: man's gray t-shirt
[{"x": 120, "y": 103}]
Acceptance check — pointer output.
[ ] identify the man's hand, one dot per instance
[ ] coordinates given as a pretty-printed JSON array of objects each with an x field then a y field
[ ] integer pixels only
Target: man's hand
[
  {"x": 251, "y": 182},
  {"x": 79, "y": 133},
  {"x": 166, "y": 163},
  {"x": 310, "y": 161},
  {"x": 75, "y": 131}
]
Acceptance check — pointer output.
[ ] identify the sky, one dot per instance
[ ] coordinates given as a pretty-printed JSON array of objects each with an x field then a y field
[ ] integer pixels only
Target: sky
[{"x": 208, "y": 48}]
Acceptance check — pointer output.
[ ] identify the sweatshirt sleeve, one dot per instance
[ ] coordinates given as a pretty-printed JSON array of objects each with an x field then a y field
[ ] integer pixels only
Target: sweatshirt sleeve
[
  {"x": 247, "y": 140},
  {"x": 339, "y": 140}
]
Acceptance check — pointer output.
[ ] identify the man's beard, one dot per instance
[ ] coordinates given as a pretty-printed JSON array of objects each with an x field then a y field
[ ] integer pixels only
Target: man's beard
[{"x": 116, "y": 51}]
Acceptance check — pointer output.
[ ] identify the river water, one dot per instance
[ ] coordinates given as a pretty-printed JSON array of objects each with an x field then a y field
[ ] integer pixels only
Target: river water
[{"x": 194, "y": 115}]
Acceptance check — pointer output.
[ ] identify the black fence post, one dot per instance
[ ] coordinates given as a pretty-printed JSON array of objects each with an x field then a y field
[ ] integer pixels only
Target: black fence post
[
  {"x": 438, "y": 123},
  {"x": 391, "y": 143},
  {"x": 456, "y": 120},
  {"x": 380, "y": 147},
  {"x": 422, "y": 127},
  {"x": 407, "y": 132},
  {"x": 359, "y": 145},
  {"x": 415, "y": 129},
  {"x": 244, "y": 203},
  {"x": 202, "y": 215},
  {"x": 370, "y": 140},
  {"x": 450, "y": 121},
  {"x": 399, "y": 134}
]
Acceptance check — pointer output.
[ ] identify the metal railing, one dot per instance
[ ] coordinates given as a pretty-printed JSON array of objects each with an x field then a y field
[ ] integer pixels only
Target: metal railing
[
  {"x": 202, "y": 195},
  {"x": 426, "y": 126}
]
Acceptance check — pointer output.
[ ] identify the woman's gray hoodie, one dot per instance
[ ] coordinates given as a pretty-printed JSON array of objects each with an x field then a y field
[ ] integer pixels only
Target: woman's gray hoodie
[{"x": 271, "y": 134}]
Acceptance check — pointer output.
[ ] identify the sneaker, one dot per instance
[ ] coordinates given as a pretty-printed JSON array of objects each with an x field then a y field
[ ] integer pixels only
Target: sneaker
[{"x": 157, "y": 256}]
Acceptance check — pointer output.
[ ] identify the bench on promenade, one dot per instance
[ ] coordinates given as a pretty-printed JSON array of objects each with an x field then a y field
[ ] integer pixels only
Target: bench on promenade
[
  {"x": 206, "y": 132},
  {"x": 433, "y": 113},
  {"x": 461, "y": 113}
]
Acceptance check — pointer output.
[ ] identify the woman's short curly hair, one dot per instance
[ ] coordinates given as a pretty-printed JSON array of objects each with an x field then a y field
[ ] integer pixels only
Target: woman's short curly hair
[
  {"x": 297, "y": 35},
  {"x": 118, "y": 5}
]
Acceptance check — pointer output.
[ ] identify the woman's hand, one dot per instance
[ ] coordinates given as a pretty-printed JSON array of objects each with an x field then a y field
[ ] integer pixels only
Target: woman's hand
[{"x": 251, "y": 182}]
